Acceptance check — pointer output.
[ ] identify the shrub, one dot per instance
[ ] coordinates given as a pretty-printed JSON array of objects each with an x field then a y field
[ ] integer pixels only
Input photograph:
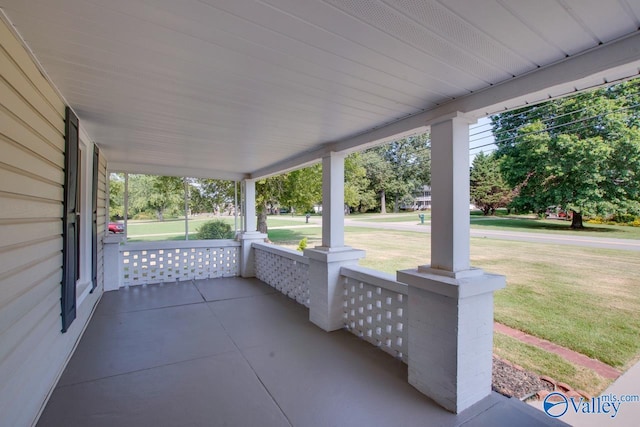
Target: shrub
[
  {"x": 216, "y": 229},
  {"x": 624, "y": 218},
  {"x": 303, "y": 244},
  {"x": 597, "y": 220}
]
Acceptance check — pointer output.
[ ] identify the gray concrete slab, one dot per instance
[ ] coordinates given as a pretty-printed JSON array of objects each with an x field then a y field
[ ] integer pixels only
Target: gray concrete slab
[
  {"x": 231, "y": 287},
  {"x": 135, "y": 298},
  {"x": 219, "y": 390},
  {"x": 252, "y": 360},
  {"x": 265, "y": 319},
  {"x": 125, "y": 342}
]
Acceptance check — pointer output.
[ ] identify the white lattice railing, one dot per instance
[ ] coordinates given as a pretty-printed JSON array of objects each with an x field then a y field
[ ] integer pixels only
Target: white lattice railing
[
  {"x": 170, "y": 261},
  {"x": 375, "y": 309},
  {"x": 284, "y": 269}
]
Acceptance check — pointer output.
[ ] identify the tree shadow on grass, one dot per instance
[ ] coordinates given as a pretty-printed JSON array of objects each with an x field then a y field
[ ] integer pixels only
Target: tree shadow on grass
[
  {"x": 535, "y": 224},
  {"x": 289, "y": 237}
]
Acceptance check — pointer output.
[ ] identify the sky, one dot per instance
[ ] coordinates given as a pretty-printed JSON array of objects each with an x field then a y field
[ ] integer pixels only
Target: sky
[{"x": 480, "y": 138}]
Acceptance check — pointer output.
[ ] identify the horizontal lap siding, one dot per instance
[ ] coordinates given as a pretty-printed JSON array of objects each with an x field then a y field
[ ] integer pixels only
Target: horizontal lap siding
[
  {"x": 33, "y": 350},
  {"x": 102, "y": 216}
]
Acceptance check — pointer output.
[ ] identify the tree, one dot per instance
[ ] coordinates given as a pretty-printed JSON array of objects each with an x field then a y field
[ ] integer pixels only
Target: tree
[
  {"x": 296, "y": 190},
  {"x": 357, "y": 192},
  {"x": 380, "y": 175},
  {"x": 489, "y": 190},
  {"x": 116, "y": 196},
  {"x": 396, "y": 169},
  {"x": 581, "y": 153},
  {"x": 157, "y": 194},
  {"x": 212, "y": 195}
]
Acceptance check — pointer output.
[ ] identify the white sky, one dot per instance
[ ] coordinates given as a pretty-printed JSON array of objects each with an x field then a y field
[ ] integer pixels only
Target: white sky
[{"x": 480, "y": 138}]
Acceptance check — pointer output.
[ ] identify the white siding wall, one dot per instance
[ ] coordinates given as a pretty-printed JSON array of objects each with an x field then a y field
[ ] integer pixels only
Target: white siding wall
[
  {"x": 103, "y": 200},
  {"x": 33, "y": 351}
]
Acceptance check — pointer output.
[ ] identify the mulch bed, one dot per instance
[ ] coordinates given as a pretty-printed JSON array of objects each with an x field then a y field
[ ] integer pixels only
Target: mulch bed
[{"x": 514, "y": 381}]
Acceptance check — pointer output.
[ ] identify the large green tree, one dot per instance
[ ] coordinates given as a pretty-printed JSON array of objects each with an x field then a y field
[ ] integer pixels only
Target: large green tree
[
  {"x": 116, "y": 196},
  {"x": 581, "y": 153},
  {"x": 397, "y": 168},
  {"x": 489, "y": 191},
  {"x": 297, "y": 190},
  {"x": 357, "y": 192},
  {"x": 157, "y": 194},
  {"x": 211, "y": 195}
]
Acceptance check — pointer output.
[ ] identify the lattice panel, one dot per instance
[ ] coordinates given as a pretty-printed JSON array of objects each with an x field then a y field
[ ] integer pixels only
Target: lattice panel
[
  {"x": 376, "y": 315},
  {"x": 141, "y": 267},
  {"x": 289, "y": 276}
]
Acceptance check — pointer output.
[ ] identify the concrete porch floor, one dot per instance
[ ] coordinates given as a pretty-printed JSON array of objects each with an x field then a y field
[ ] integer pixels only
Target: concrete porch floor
[{"x": 234, "y": 352}]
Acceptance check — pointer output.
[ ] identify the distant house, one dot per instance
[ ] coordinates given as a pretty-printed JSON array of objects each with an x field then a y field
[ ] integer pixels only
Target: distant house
[{"x": 422, "y": 198}]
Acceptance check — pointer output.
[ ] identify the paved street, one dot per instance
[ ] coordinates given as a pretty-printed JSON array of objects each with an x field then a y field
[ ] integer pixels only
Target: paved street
[{"x": 558, "y": 239}]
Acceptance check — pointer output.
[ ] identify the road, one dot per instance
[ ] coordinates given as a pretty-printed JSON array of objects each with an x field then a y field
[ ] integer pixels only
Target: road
[{"x": 557, "y": 239}]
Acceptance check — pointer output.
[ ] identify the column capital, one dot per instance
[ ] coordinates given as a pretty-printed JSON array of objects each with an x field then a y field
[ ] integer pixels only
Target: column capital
[{"x": 467, "y": 118}]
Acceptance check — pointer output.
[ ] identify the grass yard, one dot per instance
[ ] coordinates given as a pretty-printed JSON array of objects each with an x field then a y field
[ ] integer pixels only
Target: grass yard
[
  {"x": 395, "y": 217},
  {"x": 535, "y": 359},
  {"x": 585, "y": 299},
  {"x": 173, "y": 229},
  {"x": 554, "y": 226}
]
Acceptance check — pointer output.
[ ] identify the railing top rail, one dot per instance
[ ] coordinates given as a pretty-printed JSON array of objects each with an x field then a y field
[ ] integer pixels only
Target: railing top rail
[
  {"x": 374, "y": 277},
  {"x": 284, "y": 252},
  {"x": 179, "y": 244}
]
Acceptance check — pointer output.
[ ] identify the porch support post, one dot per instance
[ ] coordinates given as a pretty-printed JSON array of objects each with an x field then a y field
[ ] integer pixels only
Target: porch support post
[
  {"x": 325, "y": 286},
  {"x": 450, "y": 304},
  {"x": 249, "y": 233}
]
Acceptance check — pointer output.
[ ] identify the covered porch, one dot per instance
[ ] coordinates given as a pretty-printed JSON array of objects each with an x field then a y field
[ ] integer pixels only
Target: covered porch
[
  {"x": 243, "y": 90},
  {"x": 234, "y": 351}
]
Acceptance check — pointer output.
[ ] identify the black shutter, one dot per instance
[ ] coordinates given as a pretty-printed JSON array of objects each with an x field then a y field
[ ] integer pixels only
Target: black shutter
[
  {"x": 94, "y": 209},
  {"x": 70, "y": 234}
]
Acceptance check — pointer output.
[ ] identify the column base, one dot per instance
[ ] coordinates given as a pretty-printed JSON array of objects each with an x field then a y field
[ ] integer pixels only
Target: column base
[
  {"x": 247, "y": 257},
  {"x": 451, "y": 334},
  {"x": 111, "y": 261},
  {"x": 325, "y": 287}
]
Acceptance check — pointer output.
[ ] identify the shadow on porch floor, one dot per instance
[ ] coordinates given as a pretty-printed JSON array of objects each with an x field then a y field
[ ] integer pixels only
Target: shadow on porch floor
[{"x": 233, "y": 352}]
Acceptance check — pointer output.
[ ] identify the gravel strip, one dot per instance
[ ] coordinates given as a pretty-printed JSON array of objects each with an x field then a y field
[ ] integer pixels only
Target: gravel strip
[{"x": 513, "y": 382}]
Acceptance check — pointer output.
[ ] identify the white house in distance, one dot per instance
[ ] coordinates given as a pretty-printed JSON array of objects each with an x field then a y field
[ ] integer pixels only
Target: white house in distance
[
  {"x": 242, "y": 90},
  {"x": 422, "y": 198}
]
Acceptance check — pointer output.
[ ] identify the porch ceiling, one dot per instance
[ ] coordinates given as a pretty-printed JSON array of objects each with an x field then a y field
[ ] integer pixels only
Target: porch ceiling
[{"x": 234, "y": 88}]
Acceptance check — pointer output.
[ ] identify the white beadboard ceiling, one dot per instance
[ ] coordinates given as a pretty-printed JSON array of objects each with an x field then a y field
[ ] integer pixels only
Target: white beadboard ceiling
[{"x": 245, "y": 88}]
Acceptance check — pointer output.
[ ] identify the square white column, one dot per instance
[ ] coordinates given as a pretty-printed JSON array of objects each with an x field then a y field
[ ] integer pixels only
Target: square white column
[
  {"x": 325, "y": 285},
  {"x": 450, "y": 304},
  {"x": 250, "y": 233},
  {"x": 450, "y": 194},
  {"x": 249, "y": 208},
  {"x": 333, "y": 201}
]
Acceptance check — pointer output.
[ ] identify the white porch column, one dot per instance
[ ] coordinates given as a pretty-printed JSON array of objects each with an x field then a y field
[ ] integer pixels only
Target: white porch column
[
  {"x": 249, "y": 206},
  {"x": 325, "y": 286},
  {"x": 450, "y": 195},
  {"x": 450, "y": 303},
  {"x": 249, "y": 233},
  {"x": 333, "y": 201}
]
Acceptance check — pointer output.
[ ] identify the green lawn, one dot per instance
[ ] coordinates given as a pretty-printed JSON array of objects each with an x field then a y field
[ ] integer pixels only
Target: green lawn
[
  {"x": 404, "y": 217},
  {"x": 542, "y": 362},
  {"x": 582, "y": 298},
  {"x": 173, "y": 229},
  {"x": 554, "y": 226}
]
